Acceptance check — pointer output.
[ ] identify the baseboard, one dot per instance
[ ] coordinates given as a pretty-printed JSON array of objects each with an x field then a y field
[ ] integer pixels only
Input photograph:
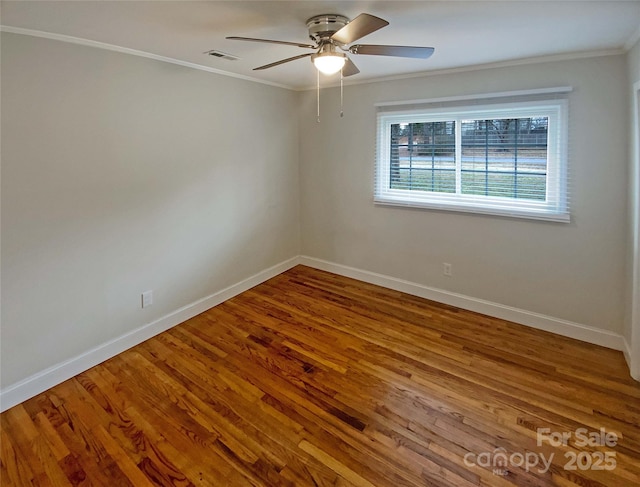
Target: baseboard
[
  {"x": 634, "y": 370},
  {"x": 634, "y": 366},
  {"x": 626, "y": 350},
  {"x": 45, "y": 379},
  {"x": 559, "y": 326}
]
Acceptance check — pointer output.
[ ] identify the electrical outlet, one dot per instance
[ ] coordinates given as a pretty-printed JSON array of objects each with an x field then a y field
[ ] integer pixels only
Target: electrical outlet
[
  {"x": 147, "y": 299},
  {"x": 447, "y": 269}
]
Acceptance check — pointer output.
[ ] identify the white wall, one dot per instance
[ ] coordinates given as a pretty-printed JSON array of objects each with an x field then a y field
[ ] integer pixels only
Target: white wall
[
  {"x": 632, "y": 316},
  {"x": 633, "y": 63},
  {"x": 122, "y": 174},
  {"x": 570, "y": 271}
]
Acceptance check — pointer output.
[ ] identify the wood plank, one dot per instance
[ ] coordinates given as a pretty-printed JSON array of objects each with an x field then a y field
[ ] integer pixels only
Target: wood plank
[{"x": 313, "y": 379}]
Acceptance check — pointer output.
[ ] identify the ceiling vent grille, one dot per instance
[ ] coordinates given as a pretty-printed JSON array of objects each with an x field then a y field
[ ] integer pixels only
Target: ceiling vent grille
[{"x": 223, "y": 55}]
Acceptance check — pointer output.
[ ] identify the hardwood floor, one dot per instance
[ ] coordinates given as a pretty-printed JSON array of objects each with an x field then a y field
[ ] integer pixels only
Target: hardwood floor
[{"x": 312, "y": 379}]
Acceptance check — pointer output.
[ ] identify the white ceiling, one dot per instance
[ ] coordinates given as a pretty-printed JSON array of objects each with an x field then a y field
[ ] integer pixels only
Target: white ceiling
[{"x": 463, "y": 33}]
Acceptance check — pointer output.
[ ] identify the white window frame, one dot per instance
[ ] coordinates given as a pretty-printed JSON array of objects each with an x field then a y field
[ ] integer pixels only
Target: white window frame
[{"x": 555, "y": 205}]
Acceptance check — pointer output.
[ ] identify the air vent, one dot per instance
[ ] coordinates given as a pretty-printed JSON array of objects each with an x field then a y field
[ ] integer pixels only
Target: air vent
[{"x": 223, "y": 55}]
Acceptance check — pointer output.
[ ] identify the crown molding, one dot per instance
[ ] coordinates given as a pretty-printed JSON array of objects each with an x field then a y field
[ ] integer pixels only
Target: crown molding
[
  {"x": 633, "y": 39},
  {"x": 480, "y": 67},
  {"x": 436, "y": 72},
  {"x": 133, "y": 52}
]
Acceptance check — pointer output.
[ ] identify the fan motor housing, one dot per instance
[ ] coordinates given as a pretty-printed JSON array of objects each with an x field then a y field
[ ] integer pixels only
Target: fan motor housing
[{"x": 325, "y": 25}]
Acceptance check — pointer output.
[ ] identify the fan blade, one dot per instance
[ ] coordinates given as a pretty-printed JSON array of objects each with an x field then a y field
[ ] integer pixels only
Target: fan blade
[
  {"x": 267, "y": 66},
  {"x": 361, "y": 26},
  {"x": 398, "y": 51},
  {"x": 349, "y": 69},
  {"x": 251, "y": 39}
]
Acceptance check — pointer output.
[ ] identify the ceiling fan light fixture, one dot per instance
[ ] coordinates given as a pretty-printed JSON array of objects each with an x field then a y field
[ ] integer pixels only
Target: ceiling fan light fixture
[
  {"x": 329, "y": 61},
  {"x": 331, "y": 32}
]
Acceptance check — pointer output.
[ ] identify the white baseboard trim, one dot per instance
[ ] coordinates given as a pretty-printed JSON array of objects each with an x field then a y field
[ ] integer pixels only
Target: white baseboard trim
[
  {"x": 559, "y": 326},
  {"x": 45, "y": 379},
  {"x": 626, "y": 350},
  {"x": 634, "y": 366},
  {"x": 634, "y": 370}
]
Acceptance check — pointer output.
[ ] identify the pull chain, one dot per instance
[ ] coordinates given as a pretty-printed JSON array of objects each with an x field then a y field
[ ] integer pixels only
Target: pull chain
[
  {"x": 318, "y": 94},
  {"x": 341, "y": 96}
]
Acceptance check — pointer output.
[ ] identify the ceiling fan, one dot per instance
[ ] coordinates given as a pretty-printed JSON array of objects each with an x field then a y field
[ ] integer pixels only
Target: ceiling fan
[{"x": 332, "y": 35}]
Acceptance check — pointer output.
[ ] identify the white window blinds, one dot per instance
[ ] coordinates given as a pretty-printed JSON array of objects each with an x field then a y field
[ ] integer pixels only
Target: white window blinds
[{"x": 503, "y": 154}]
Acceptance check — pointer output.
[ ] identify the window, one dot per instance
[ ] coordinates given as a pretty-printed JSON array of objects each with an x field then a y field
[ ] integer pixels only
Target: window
[{"x": 506, "y": 158}]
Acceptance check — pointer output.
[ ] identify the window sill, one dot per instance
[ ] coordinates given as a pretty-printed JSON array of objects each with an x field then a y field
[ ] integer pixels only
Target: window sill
[{"x": 528, "y": 214}]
